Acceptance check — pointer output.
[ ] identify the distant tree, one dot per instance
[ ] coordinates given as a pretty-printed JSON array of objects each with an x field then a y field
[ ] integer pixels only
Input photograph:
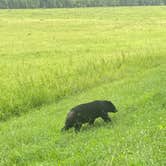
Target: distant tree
[
  {"x": 74, "y": 3},
  {"x": 3, "y": 4}
]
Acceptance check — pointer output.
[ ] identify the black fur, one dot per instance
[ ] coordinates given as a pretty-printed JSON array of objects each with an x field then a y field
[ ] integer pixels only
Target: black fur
[{"x": 87, "y": 113}]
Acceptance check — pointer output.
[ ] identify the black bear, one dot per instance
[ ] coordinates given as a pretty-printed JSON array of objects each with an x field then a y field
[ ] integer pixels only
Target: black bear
[{"x": 88, "y": 112}]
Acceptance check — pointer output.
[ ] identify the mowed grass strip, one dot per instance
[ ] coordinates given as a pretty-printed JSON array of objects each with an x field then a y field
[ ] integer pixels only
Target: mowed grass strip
[
  {"x": 46, "y": 55},
  {"x": 136, "y": 135}
]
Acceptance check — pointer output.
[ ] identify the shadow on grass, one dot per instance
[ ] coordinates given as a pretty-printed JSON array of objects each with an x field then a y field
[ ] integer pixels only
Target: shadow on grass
[{"x": 98, "y": 124}]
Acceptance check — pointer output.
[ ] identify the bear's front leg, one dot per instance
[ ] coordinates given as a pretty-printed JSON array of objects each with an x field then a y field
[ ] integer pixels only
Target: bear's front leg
[{"x": 106, "y": 118}]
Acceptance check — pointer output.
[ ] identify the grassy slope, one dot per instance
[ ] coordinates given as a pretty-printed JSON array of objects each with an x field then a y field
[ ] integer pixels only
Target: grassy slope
[
  {"x": 50, "y": 53},
  {"x": 128, "y": 45},
  {"x": 136, "y": 135}
]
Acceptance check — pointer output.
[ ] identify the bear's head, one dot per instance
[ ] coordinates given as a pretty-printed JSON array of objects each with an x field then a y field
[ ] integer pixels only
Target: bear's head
[{"x": 110, "y": 107}]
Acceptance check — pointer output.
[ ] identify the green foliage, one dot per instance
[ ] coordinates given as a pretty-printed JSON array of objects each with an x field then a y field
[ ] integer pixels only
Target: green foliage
[{"x": 4, "y": 4}]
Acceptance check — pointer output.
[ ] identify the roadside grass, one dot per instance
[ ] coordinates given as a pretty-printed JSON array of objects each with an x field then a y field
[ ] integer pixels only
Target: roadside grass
[
  {"x": 53, "y": 53},
  {"x": 136, "y": 135}
]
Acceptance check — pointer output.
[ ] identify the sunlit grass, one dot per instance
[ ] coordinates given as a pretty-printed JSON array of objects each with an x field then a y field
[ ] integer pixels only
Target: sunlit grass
[
  {"x": 136, "y": 135},
  {"x": 48, "y": 54},
  {"x": 54, "y": 59}
]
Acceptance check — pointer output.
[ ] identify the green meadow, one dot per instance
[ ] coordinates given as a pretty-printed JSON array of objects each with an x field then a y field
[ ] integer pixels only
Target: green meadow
[{"x": 54, "y": 59}]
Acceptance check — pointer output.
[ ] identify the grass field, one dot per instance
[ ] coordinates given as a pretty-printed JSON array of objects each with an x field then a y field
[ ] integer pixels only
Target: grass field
[{"x": 54, "y": 59}]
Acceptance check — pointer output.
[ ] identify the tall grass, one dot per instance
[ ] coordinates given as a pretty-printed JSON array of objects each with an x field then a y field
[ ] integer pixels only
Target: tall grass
[
  {"x": 136, "y": 135},
  {"x": 50, "y": 54}
]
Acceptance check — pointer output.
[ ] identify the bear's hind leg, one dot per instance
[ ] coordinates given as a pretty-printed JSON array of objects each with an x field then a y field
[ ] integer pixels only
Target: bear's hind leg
[
  {"x": 91, "y": 122},
  {"x": 77, "y": 127},
  {"x": 65, "y": 128}
]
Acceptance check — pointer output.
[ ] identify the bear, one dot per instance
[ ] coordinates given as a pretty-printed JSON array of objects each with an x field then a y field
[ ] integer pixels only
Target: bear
[{"x": 87, "y": 113}]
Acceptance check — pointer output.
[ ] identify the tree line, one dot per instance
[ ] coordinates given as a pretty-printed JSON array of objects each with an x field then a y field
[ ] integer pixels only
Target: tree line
[{"x": 11, "y": 4}]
